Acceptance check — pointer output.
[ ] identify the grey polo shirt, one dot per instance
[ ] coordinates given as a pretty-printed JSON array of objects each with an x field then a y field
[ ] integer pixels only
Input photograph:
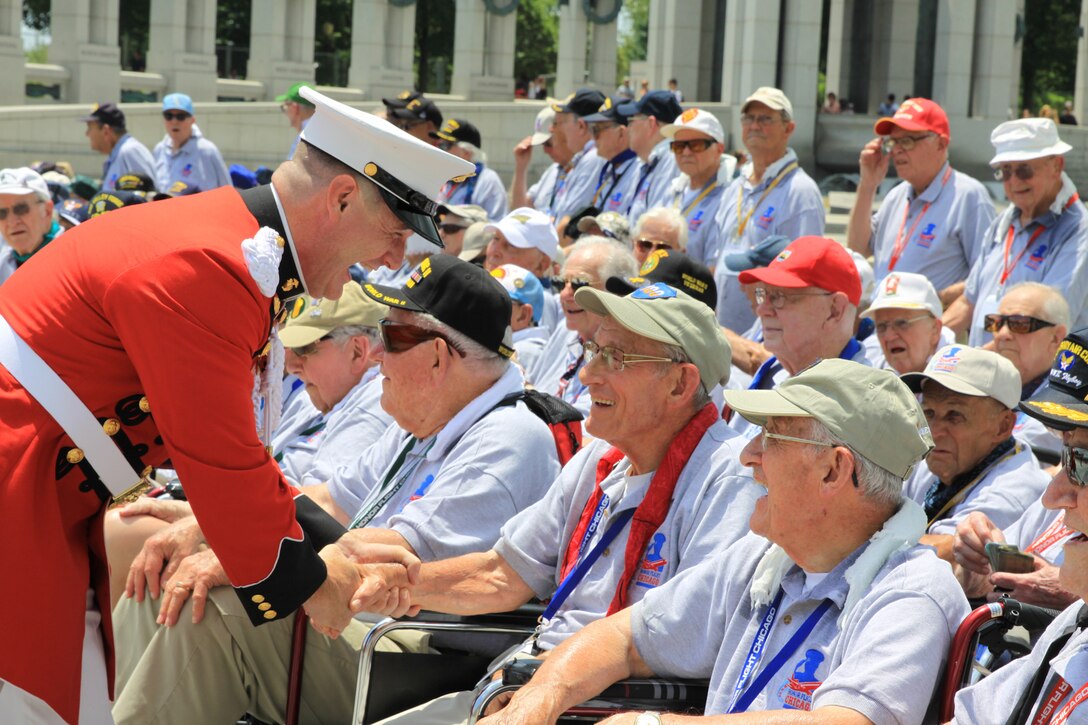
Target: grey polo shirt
[
  {"x": 197, "y": 163},
  {"x": 1056, "y": 256},
  {"x": 942, "y": 229},
  {"x": 576, "y": 191},
  {"x": 794, "y": 208},
  {"x": 483, "y": 467},
  {"x": 129, "y": 156},
  {"x": 1006, "y": 489},
  {"x": 882, "y": 659},
  {"x": 991, "y": 700},
  {"x": 711, "y": 505},
  {"x": 653, "y": 185}
]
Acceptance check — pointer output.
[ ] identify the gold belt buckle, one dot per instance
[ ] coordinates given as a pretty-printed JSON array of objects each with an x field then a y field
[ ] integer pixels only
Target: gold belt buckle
[{"x": 132, "y": 493}]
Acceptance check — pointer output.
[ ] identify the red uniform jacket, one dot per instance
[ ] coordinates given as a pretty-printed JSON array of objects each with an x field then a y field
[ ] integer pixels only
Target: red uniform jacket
[{"x": 150, "y": 315}]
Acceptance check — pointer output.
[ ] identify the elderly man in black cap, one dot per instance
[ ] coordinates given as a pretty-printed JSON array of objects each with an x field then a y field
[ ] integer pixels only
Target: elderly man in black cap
[
  {"x": 581, "y": 181},
  {"x": 616, "y": 185},
  {"x": 414, "y": 114},
  {"x": 485, "y": 189},
  {"x": 138, "y": 338},
  {"x": 657, "y": 163},
  {"x": 108, "y": 135}
]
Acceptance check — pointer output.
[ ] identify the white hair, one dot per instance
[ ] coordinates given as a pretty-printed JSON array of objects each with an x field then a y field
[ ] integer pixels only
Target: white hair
[
  {"x": 475, "y": 154},
  {"x": 346, "y": 332},
  {"x": 879, "y": 484},
  {"x": 1055, "y": 308},
  {"x": 666, "y": 215},
  {"x": 615, "y": 258}
]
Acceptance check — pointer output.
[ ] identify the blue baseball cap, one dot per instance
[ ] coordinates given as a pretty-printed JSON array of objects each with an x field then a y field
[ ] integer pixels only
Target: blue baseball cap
[
  {"x": 758, "y": 256},
  {"x": 662, "y": 105},
  {"x": 522, "y": 286},
  {"x": 178, "y": 102}
]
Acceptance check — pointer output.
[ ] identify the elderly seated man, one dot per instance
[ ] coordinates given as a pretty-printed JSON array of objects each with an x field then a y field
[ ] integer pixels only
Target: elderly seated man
[
  {"x": 462, "y": 139},
  {"x": 1029, "y": 324},
  {"x": 657, "y": 492},
  {"x": 329, "y": 345},
  {"x": 807, "y": 301},
  {"x": 661, "y": 227},
  {"x": 907, "y": 313},
  {"x": 26, "y": 218},
  {"x": 1048, "y": 685},
  {"x": 463, "y": 459},
  {"x": 1040, "y": 531},
  {"x": 526, "y": 237},
  {"x": 1039, "y": 236},
  {"x": 968, "y": 396},
  {"x": 829, "y": 605}
]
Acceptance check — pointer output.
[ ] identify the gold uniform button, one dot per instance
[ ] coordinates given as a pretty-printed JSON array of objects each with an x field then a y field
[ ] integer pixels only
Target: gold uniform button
[
  {"x": 257, "y": 598},
  {"x": 144, "y": 405},
  {"x": 75, "y": 456},
  {"x": 264, "y": 606},
  {"x": 270, "y": 614},
  {"x": 111, "y": 426}
]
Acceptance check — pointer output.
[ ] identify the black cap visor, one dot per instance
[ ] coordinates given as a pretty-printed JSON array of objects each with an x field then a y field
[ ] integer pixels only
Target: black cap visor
[
  {"x": 410, "y": 206},
  {"x": 624, "y": 286}
]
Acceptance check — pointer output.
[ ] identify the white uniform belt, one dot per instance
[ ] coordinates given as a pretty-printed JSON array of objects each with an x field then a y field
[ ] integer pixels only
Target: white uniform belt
[{"x": 53, "y": 394}]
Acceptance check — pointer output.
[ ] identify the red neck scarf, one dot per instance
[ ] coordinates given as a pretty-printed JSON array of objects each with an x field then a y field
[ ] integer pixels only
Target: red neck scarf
[{"x": 654, "y": 507}]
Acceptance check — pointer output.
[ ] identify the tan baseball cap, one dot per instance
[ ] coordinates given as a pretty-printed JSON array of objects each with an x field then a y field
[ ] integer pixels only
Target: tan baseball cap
[
  {"x": 663, "y": 313},
  {"x": 772, "y": 98},
  {"x": 970, "y": 371},
  {"x": 870, "y": 410},
  {"x": 311, "y": 319}
]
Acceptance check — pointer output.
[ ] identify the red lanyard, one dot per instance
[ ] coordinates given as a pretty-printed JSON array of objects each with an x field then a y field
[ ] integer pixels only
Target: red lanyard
[
  {"x": 1007, "y": 270},
  {"x": 1046, "y": 714},
  {"x": 1053, "y": 534},
  {"x": 900, "y": 239}
]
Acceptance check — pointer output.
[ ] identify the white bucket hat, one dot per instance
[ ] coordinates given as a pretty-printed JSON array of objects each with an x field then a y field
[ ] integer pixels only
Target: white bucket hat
[{"x": 1025, "y": 139}]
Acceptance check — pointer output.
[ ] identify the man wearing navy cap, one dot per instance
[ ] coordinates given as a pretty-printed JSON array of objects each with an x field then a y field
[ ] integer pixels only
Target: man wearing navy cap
[
  {"x": 616, "y": 183},
  {"x": 145, "y": 336},
  {"x": 485, "y": 188},
  {"x": 419, "y": 117},
  {"x": 657, "y": 163},
  {"x": 124, "y": 154},
  {"x": 577, "y": 190},
  {"x": 184, "y": 154}
]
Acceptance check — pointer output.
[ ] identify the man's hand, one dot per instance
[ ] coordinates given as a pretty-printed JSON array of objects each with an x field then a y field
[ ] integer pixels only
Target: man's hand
[
  {"x": 196, "y": 576},
  {"x": 167, "y": 510},
  {"x": 532, "y": 703},
  {"x": 873, "y": 163},
  {"x": 160, "y": 557},
  {"x": 1040, "y": 587},
  {"x": 969, "y": 543},
  {"x": 523, "y": 153}
]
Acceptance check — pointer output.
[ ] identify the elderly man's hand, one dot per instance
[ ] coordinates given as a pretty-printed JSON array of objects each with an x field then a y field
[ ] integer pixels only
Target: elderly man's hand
[
  {"x": 328, "y": 606},
  {"x": 523, "y": 152},
  {"x": 873, "y": 163},
  {"x": 1040, "y": 587},
  {"x": 196, "y": 576},
  {"x": 161, "y": 555},
  {"x": 969, "y": 544},
  {"x": 167, "y": 510},
  {"x": 539, "y": 705}
]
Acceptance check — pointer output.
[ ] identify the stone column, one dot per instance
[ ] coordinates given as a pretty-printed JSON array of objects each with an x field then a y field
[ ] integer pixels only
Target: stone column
[
  {"x": 895, "y": 30},
  {"x": 84, "y": 41},
  {"x": 1080, "y": 90},
  {"x": 181, "y": 46},
  {"x": 751, "y": 48},
  {"x": 952, "y": 57},
  {"x": 281, "y": 44},
  {"x": 383, "y": 41},
  {"x": 996, "y": 59},
  {"x": 602, "y": 56},
  {"x": 570, "y": 70},
  {"x": 799, "y": 71},
  {"x": 839, "y": 37},
  {"x": 674, "y": 34},
  {"x": 483, "y": 53},
  {"x": 12, "y": 59}
]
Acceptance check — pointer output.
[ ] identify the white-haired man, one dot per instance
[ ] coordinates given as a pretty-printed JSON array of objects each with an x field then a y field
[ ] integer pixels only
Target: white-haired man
[
  {"x": 484, "y": 188},
  {"x": 661, "y": 227},
  {"x": 26, "y": 218}
]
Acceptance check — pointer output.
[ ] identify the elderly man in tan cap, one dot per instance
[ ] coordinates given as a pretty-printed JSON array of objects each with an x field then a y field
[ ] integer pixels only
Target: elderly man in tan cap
[
  {"x": 828, "y": 606},
  {"x": 968, "y": 397},
  {"x": 1039, "y": 237}
]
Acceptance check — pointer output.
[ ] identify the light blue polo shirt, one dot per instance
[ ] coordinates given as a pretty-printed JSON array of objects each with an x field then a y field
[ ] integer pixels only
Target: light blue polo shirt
[
  {"x": 700, "y": 214},
  {"x": 485, "y": 190},
  {"x": 542, "y": 193},
  {"x": 653, "y": 186},
  {"x": 1058, "y": 256},
  {"x": 943, "y": 229},
  {"x": 197, "y": 163},
  {"x": 793, "y": 208},
  {"x": 129, "y": 156},
  {"x": 576, "y": 191},
  {"x": 616, "y": 187}
]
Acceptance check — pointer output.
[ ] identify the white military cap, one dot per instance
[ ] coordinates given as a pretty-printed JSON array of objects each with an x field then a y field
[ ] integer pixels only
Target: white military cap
[{"x": 409, "y": 172}]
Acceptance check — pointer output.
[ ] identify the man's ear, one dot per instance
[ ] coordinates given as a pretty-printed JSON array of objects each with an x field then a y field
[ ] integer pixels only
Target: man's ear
[{"x": 343, "y": 191}]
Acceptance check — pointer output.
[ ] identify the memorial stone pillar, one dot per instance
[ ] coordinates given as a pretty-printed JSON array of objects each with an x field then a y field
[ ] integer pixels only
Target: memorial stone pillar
[
  {"x": 799, "y": 72},
  {"x": 895, "y": 32},
  {"x": 383, "y": 41},
  {"x": 570, "y": 71},
  {"x": 181, "y": 46},
  {"x": 952, "y": 57},
  {"x": 281, "y": 44},
  {"x": 996, "y": 63},
  {"x": 12, "y": 58},
  {"x": 483, "y": 52},
  {"x": 84, "y": 41}
]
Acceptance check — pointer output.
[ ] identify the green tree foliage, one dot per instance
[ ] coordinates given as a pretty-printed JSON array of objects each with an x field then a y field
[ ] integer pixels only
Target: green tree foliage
[
  {"x": 434, "y": 44},
  {"x": 537, "y": 39},
  {"x": 1048, "y": 66},
  {"x": 635, "y": 22},
  {"x": 36, "y": 14}
]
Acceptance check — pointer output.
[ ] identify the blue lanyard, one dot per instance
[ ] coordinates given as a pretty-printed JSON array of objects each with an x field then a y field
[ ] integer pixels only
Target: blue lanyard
[
  {"x": 575, "y": 576},
  {"x": 852, "y": 348},
  {"x": 644, "y": 173},
  {"x": 742, "y": 697}
]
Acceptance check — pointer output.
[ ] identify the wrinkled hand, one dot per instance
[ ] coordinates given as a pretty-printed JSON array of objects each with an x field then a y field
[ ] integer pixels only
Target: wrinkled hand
[
  {"x": 535, "y": 704},
  {"x": 1040, "y": 587},
  {"x": 358, "y": 549},
  {"x": 969, "y": 543},
  {"x": 872, "y": 163},
  {"x": 195, "y": 577},
  {"x": 167, "y": 510},
  {"x": 523, "y": 152},
  {"x": 161, "y": 555},
  {"x": 327, "y": 607}
]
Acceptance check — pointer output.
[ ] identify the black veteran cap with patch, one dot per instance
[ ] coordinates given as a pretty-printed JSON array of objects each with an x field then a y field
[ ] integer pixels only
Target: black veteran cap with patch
[
  {"x": 673, "y": 268},
  {"x": 583, "y": 102},
  {"x": 458, "y": 129},
  {"x": 457, "y": 293},
  {"x": 608, "y": 111},
  {"x": 1062, "y": 402}
]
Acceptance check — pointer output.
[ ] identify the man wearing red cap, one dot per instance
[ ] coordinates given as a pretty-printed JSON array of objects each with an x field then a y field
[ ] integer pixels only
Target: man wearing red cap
[
  {"x": 934, "y": 222},
  {"x": 807, "y": 300}
]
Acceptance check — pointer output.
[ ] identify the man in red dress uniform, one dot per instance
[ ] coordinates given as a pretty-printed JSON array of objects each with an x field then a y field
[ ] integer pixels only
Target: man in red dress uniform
[{"x": 156, "y": 318}]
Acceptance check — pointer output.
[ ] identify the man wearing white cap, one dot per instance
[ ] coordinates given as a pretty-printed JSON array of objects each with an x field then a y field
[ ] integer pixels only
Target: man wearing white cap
[
  {"x": 907, "y": 317},
  {"x": 698, "y": 144},
  {"x": 540, "y": 195},
  {"x": 527, "y": 238},
  {"x": 26, "y": 218},
  {"x": 934, "y": 221},
  {"x": 136, "y": 339},
  {"x": 1039, "y": 237},
  {"x": 968, "y": 397},
  {"x": 772, "y": 196}
]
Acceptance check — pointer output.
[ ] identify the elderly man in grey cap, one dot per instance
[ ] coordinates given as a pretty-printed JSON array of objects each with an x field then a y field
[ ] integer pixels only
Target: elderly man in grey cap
[
  {"x": 968, "y": 397},
  {"x": 1039, "y": 236},
  {"x": 829, "y": 605}
]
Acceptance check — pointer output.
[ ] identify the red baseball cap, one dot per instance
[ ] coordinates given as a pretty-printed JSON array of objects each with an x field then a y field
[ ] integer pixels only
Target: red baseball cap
[
  {"x": 916, "y": 114},
  {"x": 811, "y": 262}
]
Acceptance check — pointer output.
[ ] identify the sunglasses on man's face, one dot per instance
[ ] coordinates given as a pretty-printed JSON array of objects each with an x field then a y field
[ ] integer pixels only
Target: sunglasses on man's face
[
  {"x": 649, "y": 245},
  {"x": 398, "y": 337},
  {"x": 175, "y": 115},
  {"x": 1075, "y": 463},
  {"x": 20, "y": 209},
  {"x": 450, "y": 228},
  {"x": 695, "y": 145},
  {"x": 1022, "y": 172},
  {"x": 559, "y": 284},
  {"x": 1018, "y": 324}
]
